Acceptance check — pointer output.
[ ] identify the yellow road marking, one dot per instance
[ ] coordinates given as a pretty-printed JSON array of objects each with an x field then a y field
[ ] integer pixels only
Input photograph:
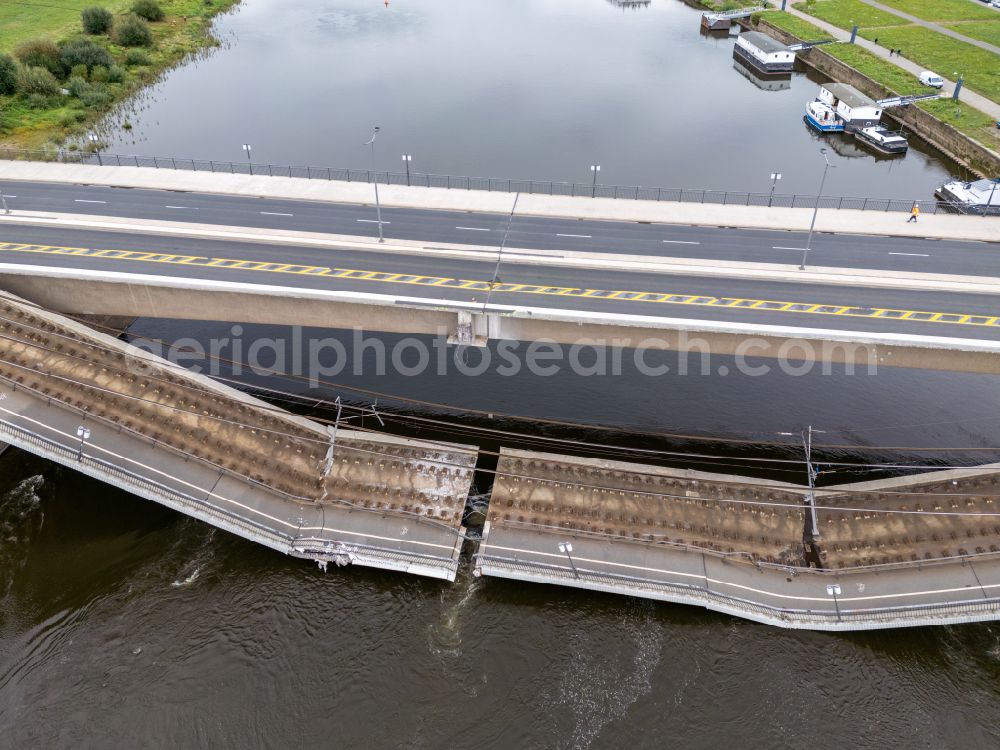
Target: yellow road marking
[{"x": 701, "y": 300}]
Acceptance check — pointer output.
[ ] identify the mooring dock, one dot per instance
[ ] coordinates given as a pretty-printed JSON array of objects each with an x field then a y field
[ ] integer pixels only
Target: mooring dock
[{"x": 551, "y": 521}]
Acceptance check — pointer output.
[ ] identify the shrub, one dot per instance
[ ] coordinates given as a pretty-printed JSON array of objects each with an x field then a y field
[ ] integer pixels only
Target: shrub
[
  {"x": 35, "y": 80},
  {"x": 148, "y": 9},
  {"x": 85, "y": 52},
  {"x": 132, "y": 31},
  {"x": 97, "y": 20},
  {"x": 79, "y": 71},
  {"x": 116, "y": 74},
  {"x": 76, "y": 85},
  {"x": 8, "y": 74},
  {"x": 99, "y": 74},
  {"x": 136, "y": 57},
  {"x": 40, "y": 53},
  {"x": 39, "y": 101},
  {"x": 97, "y": 96}
]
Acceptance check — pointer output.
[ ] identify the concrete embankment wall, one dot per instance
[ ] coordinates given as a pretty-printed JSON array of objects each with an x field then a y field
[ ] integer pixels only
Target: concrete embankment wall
[{"x": 952, "y": 142}]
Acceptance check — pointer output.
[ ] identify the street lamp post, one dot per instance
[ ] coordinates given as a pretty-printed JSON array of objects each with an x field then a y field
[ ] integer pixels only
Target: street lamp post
[
  {"x": 248, "y": 148},
  {"x": 378, "y": 205},
  {"x": 959, "y": 80},
  {"x": 595, "y": 168},
  {"x": 406, "y": 160},
  {"x": 566, "y": 548},
  {"x": 775, "y": 176},
  {"x": 92, "y": 137},
  {"x": 812, "y": 225},
  {"x": 833, "y": 590},
  {"x": 84, "y": 434}
]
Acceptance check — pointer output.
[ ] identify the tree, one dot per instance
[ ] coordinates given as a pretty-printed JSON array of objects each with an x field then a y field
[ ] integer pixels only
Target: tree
[
  {"x": 132, "y": 31},
  {"x": 40, "y": 53},
  {"x": 84, "y": 52},
  {"x": 97, "y": 20},
  {"x": 8, "y": 74},
  {"x": 148, "y": 9},
  {"x": 38, "y": 81}
]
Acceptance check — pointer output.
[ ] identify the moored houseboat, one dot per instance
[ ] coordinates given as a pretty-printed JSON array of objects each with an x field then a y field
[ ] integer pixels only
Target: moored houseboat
[
  {"x": 855, "y": 109},
  {"x": 979, "y": 197},
  {"x": 762, "y": 53}
]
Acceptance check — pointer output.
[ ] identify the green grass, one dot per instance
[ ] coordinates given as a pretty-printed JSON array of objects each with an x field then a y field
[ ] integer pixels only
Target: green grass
[
  {"x": 183, "y": 31},
  {"x": 845, "y": 13},
  {"x": 944, "y": 55},
  {"x": 891, "y": 76},
  {"x": 984, "y": 31},
  {"x": 56, "y": 20},
  {"x": 795, "y": 26},
  {"x": 944, "y": 10}
]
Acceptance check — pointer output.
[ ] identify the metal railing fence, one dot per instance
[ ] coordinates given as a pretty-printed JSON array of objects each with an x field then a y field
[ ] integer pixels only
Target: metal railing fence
[{"x": 488, "y": 184}]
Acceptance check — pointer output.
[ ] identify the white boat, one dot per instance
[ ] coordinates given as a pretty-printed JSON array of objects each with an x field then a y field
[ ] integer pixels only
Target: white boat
[
  {"x": 979, "y": 197},
  {"x": 883, "y": 139},
  {"x": 823, "y": 117}
]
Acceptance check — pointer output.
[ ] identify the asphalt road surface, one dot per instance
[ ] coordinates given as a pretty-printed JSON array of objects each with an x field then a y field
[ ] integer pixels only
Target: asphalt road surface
[
  {"x": 665, "y": 240},
  {"x": 607, "y": 291}
]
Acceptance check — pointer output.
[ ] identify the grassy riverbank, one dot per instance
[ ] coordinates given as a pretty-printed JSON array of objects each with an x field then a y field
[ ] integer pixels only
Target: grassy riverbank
[
  {"x": 927, "y": 47},
  {"x": 32, "y": 120},
  {"x": 974, "y": 123}
]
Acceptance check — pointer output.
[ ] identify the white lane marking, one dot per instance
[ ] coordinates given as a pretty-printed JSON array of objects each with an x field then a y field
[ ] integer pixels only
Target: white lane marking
[
  {"x": 581, "y": 236},
  {"x": 188, "y": 208},
  {"x": 779, "y": 247},
  {"x": 372, "y": 221},
  {"x": 471, "y": 229},
  {"x": 273, "y": 213},
  {"x": 10, "y": 196},
  {"x": 917, "y": 255},
  {"x": 81, "y": 200},
  {"x": 682, "y": 242}
]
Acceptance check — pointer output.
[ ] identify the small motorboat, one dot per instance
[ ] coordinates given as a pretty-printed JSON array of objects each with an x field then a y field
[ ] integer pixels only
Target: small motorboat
[
  {"x": 884, "y": 140},
  {"x": 823, "y": 117}
]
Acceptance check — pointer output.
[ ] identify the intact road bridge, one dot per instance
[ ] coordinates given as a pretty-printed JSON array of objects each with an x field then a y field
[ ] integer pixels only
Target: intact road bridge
[{"x": 903, "y": 300}]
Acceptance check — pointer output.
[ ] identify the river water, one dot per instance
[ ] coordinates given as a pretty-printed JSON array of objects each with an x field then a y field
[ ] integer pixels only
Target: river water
[
  {"x": 538, "y": 89},
  {"x": 124, "y": 624}
]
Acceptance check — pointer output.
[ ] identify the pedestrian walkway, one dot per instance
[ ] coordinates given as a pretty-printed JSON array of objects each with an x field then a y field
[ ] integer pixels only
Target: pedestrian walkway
[
  {"x": 935, "y": 27},
  {"x": 968, "y": 96}
]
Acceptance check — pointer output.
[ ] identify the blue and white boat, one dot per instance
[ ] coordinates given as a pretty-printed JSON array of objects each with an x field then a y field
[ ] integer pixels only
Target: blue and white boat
[{"x": 823, "y": 117}]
